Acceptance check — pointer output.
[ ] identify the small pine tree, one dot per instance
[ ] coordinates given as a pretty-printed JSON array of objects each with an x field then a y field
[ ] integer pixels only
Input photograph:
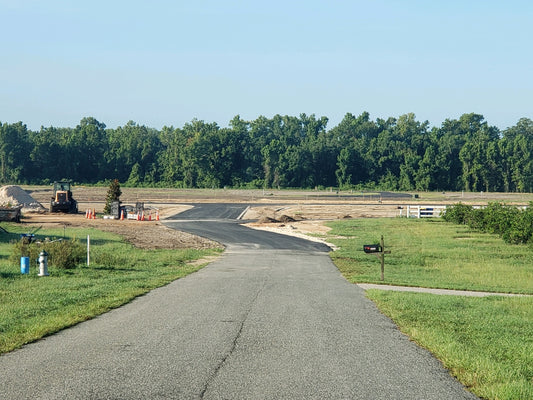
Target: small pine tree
[{"x": 113, "y": 194}]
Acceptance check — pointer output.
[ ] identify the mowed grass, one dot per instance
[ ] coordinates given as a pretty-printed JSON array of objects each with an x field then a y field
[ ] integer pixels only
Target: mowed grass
[
  {"x": 32, "y": 307},
  {"x": 487, "y": 343},
  {"x": 431, "y": 253}
]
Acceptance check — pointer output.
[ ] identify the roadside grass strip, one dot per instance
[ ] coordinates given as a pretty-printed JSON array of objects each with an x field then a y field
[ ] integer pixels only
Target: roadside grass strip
[
  {"x": 431, "y": 253},
  {"x": 486, "y": 342},
  {"x": 32, "y": 307}
]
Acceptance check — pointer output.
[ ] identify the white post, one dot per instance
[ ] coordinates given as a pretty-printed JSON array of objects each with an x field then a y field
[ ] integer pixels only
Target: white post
[{"x": 88, "y": 249}]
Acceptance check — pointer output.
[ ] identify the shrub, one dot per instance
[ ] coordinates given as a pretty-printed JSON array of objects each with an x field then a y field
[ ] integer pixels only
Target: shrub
[
  {"x": 513, "y": 225},
  {"x": 520, "y": 230},
  {"x": 64, "y": 254},
  {"x": 497, "y": 218},
  {"x": 458, "y": 213}
]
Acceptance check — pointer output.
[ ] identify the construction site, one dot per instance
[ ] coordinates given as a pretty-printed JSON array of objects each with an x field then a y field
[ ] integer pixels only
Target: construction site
[{"x": 284, "y": 211}]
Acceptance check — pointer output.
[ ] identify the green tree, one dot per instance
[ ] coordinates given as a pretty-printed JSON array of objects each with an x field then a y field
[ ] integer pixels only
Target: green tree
[
  {"x": 134, "y": 178},
  {"x": 133, "y": 144},
  {"x": 351, "y": 141},
  {"x": 516, "y": 148},
  {"x": 14, "y": 150},
  {"x": 113, "y": 194},
  {"x": 479, "y": 156},
  {"x": 50, "y": 154},
  {"x": 170, "y": 159},
  {"x": 426, "y": 174},
  {"x": 86, "y": 148}
]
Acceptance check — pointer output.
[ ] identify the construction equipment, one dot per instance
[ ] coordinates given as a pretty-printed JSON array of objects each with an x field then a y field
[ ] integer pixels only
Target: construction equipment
[
  {"x": 10, "y": 213},
  {"x": 62, "y": 200}
]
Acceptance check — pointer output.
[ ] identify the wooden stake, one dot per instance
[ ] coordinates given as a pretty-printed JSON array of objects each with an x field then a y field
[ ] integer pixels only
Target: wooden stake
[{"x": 381, "y": 256}]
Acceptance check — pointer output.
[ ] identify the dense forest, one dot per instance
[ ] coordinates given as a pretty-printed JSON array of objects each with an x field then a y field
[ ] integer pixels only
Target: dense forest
[{"x": 283, "y": 151}]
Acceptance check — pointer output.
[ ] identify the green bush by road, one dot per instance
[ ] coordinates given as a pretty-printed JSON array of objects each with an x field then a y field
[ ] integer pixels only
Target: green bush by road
[{"x": 487, "y": 343}]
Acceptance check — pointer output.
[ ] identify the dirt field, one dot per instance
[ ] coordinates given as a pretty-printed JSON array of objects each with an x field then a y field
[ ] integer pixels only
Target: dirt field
[
  {"x": 143, "y": 234},
  {"x": 288, "y": 212}
]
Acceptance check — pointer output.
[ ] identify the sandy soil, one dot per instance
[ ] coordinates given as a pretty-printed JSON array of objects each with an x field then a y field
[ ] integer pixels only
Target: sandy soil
[{"x": 143, "y": 234}]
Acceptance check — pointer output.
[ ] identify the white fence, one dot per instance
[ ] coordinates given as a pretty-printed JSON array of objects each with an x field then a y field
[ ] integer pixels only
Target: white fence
[{"x": 421, "y": 211}]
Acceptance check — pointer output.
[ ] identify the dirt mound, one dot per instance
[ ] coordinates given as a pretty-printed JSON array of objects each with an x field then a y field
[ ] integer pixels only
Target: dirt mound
[
  {"x": 286, "y": 218},
  {"x": 16, "y": 196},
  {"x": 268, "y": 220}
]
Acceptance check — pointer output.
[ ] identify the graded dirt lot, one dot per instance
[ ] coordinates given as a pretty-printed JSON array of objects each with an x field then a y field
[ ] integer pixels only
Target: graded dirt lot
[
  {"x": 143, "y": 234},
  {"x": 290, "y": 212}
]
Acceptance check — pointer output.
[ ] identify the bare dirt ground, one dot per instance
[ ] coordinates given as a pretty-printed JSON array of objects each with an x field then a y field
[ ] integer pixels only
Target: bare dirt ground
[
  {"x": 289, "y": 212},
  {"x": 143, "y": 234}
]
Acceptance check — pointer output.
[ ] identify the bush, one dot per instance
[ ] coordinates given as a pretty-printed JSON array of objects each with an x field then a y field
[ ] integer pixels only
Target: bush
[
  {"x": 496, "y": 218},
  {"x": 520, "y": 230},
  {"x": 459, "y": 213},
  {"x": 513, "y": 225},
  {"x": 64, "y": 254}
]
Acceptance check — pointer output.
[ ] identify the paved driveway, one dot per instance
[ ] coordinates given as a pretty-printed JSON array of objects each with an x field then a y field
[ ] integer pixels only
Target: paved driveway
[{"x": 271, "y": 319}]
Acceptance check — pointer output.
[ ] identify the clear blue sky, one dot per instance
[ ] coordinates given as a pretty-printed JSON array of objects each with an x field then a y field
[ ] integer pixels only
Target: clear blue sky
[{"x": 165, "y": 62}]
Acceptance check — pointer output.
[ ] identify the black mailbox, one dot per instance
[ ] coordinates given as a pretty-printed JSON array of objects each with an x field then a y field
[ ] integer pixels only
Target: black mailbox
[{"x": 371, "y": 248}]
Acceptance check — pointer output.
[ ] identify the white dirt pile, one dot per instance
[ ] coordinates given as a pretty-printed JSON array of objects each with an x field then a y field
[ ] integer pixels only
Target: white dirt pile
[{"x": 16, "y": 196}]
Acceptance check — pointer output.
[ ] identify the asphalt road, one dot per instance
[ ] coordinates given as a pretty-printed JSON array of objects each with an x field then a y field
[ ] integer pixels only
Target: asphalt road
[
  {"x": 219, "y": 222},
  {"x": 270, "y": 319}
]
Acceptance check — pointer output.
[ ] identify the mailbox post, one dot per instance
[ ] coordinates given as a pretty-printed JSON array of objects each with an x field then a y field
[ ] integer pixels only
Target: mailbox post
[{"x": 379, "y": 251}]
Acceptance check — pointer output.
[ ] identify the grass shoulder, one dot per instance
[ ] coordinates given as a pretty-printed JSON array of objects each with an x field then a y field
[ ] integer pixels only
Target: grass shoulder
[
  {"x": 32, "y": 307},
  {"x": 431, "y": 253},
  {"x": 487, "y": 343}
]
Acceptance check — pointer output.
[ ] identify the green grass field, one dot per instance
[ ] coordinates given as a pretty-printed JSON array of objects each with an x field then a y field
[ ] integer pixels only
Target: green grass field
[
  {"x": 431, "y": 253},
  {"x": 487, "y": 343},
  {"x": 32, "y": 307}
]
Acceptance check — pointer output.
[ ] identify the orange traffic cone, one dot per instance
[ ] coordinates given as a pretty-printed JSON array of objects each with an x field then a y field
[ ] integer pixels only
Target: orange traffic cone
[
  {"x": 122, "y": 215},
  {"x": 157, "y": 216},
  {"x": 94, "y": 213},
  {"x": 150, "y": 216},
  {"x": 86, "y": 213},
  {"x": 142, "y": 217}
]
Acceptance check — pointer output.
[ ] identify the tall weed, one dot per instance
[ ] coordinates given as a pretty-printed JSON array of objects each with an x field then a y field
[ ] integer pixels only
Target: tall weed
[{"x": 63, "y": 254}]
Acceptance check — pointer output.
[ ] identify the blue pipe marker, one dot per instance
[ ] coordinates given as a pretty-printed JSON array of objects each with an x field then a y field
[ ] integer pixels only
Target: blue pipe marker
[{"x": 24, "y": 265}]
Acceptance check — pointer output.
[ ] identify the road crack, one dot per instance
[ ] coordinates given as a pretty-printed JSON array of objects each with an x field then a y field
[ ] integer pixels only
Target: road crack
[{"x": 233, "y": 346}]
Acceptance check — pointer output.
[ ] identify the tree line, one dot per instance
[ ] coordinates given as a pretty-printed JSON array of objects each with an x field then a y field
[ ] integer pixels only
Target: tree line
[{"x": 283, "y": 151}]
